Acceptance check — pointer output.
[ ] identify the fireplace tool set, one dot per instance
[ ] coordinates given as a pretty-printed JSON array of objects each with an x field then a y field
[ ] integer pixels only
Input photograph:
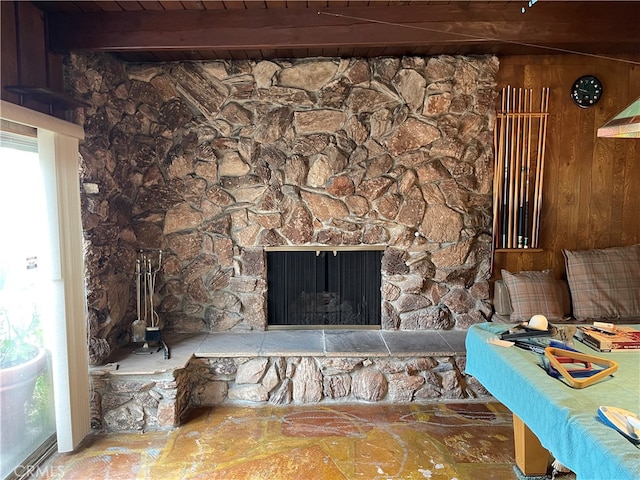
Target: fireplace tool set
[{"x": 146, "y": 327}]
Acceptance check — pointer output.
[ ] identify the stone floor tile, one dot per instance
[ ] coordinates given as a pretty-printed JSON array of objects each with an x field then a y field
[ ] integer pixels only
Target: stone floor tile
[
  {"x": 226, "y": 344},
  {"x": 308, "y": 343},
  {"x": 323, "y": 442},
  {"x": 455, "y": 339},
  {"x": 349, "y": 343},
  {"x": 413, "y": 343},
  {"x": 438, "y": 441}
]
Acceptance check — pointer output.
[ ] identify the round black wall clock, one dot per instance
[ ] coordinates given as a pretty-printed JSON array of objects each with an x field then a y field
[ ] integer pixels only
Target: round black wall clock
[{"x": 586, "y": 91}]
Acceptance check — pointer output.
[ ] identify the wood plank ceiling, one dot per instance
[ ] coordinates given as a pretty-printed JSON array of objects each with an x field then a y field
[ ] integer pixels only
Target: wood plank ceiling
[{"x": 203, "y": 30}]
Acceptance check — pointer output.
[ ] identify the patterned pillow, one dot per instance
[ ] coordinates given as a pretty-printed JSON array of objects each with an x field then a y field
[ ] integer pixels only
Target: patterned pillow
[
  {"x": 533, "y": 293},
  {"x": 604, "y": 283}
]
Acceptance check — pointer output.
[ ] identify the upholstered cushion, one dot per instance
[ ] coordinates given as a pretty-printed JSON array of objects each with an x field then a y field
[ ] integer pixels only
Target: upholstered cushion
[
  {"x": 604, "y": 283},
  {"x": 533, "y": 293},
  {"x": 502, "y": 301}
]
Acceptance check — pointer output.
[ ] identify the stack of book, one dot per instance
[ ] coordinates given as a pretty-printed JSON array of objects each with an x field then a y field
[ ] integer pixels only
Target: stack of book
[{"x": 615, "y": 339}]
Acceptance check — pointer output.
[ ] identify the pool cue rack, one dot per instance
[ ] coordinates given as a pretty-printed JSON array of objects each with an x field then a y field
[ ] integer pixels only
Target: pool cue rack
[{"x": 519, "y": 150}]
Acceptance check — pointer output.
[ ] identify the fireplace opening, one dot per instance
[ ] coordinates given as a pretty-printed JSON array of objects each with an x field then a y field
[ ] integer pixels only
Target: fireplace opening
[{"x": 324, "y": 288}]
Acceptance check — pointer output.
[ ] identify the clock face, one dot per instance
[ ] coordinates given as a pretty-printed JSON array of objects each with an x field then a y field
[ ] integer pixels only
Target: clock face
[{"x": 586, "y": 91}]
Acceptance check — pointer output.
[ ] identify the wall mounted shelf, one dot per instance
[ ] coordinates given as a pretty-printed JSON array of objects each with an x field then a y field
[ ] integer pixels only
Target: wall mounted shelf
[{"x": 519, "y": 250}]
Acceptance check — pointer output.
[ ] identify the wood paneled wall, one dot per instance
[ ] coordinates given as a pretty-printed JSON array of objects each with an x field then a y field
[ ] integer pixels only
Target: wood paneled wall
[
  {"x": 24, "y": 57},
  {"x": 591, "y": 193}
]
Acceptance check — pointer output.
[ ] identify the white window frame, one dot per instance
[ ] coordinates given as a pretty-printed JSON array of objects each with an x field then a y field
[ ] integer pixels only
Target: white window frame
[{"x": 58, "y": 149}]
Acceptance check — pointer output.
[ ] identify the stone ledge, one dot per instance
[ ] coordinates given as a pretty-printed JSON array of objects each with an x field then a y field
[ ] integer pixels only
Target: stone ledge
[
  {"x": 273, "y": 343},
  {"x": 181, "y": 348},
  {"x": 333, "y": 343}
]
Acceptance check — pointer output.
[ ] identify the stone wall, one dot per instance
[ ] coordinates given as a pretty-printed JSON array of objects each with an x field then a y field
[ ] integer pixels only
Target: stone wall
[
  {"x": 303, "y": 380},
  {"x": 213, "y": 161},
  {"x": 139, "y": 402}
]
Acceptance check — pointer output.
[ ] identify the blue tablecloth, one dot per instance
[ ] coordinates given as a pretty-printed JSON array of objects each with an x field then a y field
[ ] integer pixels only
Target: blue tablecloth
[{"x": 564, "y": 419}]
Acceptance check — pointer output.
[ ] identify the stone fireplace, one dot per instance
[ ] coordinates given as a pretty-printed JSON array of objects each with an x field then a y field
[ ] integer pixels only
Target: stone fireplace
[{"x": 217, "y": 162}]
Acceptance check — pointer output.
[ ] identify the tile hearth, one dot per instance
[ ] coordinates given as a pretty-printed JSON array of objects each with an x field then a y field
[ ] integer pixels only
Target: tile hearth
[
  {"x": 317, "y": 343},
  {"x": 336, "y": 343}
]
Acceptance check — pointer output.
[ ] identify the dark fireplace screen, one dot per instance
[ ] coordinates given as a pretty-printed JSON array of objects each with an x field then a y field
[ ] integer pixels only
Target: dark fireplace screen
[{"x": 310, "y": 288}]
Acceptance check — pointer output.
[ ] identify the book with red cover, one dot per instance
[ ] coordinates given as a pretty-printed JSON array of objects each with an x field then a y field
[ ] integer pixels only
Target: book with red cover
[{"x": 622, "y": 338}]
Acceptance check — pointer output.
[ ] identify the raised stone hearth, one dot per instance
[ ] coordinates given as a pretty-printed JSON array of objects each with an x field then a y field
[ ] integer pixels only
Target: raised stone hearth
[
  {"x": 147, "y": 392},
  {"x": 214, "y": 161}
]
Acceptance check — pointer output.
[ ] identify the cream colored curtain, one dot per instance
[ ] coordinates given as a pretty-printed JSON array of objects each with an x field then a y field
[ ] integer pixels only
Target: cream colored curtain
[{"x": 58, "y": 148}]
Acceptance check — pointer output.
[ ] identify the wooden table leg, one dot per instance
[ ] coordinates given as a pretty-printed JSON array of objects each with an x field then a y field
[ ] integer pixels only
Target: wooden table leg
[{"x": 531, "y": 457}]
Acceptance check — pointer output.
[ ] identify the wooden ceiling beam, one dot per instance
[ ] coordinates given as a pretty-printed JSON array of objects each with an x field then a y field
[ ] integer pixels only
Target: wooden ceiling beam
[{"x": 470, "y": 25}]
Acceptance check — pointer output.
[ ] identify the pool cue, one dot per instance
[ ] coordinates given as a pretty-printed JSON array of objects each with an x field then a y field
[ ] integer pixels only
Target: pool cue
[
  {"x": 527, "y": 175},
  {"x": 525, "y": 119},
  {"x": 515, "y": 176},
  {"x": 498, "y": 136},
  {"x": 537, "y": 196},
  {"x": 512, "y": 174},
  {"x": 505, "y": 179}
]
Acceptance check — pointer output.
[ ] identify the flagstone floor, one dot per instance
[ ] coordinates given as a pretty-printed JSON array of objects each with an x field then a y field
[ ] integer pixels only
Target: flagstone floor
[{"x": 461, "y": 441}]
